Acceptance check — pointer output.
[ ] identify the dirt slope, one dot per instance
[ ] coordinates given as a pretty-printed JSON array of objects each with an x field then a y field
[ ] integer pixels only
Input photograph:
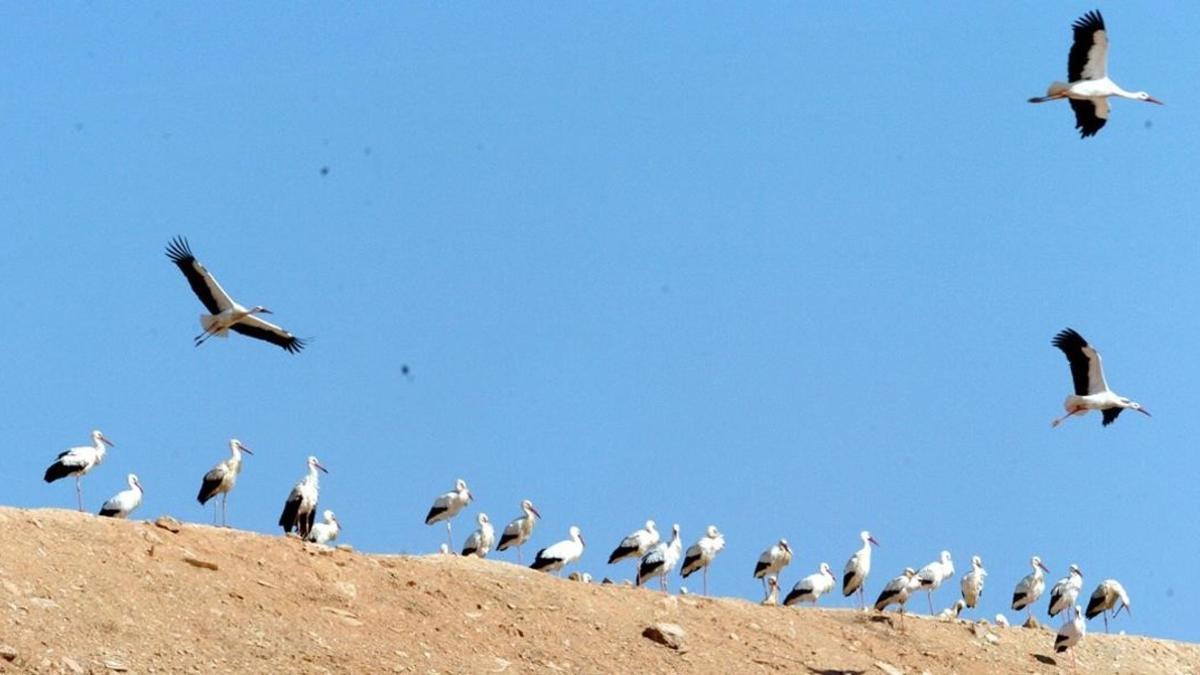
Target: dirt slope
[{"x": 85, "y": 594}]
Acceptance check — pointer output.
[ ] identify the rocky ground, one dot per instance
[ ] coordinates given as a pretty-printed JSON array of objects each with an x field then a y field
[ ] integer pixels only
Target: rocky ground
[{"x": 86, "y": 594}]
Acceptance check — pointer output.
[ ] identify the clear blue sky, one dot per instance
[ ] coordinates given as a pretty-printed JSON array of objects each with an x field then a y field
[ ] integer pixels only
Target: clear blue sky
[{"x": 792, "y": 271}]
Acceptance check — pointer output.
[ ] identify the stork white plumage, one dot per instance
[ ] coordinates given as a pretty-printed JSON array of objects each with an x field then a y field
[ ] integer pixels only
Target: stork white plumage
[
  {"x": 660, "y": 560},
  {"x": 953, "y": 611},
  {"x": 555, "y": 557},
  {"x": 1002, "y": 621},
  {"x": 772, "y": 593},
  {"x": 519, "y": 529},
  {"x": 812, "y": 587},
  {"x": 897, "y": 591},
  {"x": 300, "y": 508},
  {"x": 772, "y": 561},
  {"x": 226, "y": 314},
  {"x": 479, "y": 543},
  {"x": 1105, "y": 597},
  {"x": 325, "y": 531},
  {"x": 635, "y": 545},
  {"x": 78, "y": 461},
  {"x": 1091, "y": 390},
  {"x": 1030, "y": 587},
  {"x": 124, "y": 502},
  {"x": 1088, "y": 86},
  {"x": 447, "y": 506},
  {"x": 701, "y": 554},
  {"x": 221, "y": 479},
  {"x": 1069, "y": 635},
  {"x": 972, "y": 583},
  {"x": 857, "y": 569},
  {"x": 931, "y": 576},
  {"x": 1065, "y": 592}
]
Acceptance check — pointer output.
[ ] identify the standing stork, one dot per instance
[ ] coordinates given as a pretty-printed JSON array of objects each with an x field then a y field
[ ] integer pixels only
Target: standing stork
[
  {"x": 931, "y": 576},
  {"x": 326, "y": 531},
  {"x": 1105, "y": 597},
  {"x": 1069, "y": 635},
  {"x": 635, "y": 545},
  {"x": 555, "y": 557},
  {"x": 812, "y": 587},
  {"x": 1091, "y": 391},
  {"x": 78, "y": 461},
  {"x": 897, "y": 590},
  {"x": 701, "y": 554},
  {"x": 124, "y": 502},
  {"x": 660, "y": 560},
  {"x": 221, "y": 479},
  {"x": 1064, "y": 593},
  {"x": 448, "y": 505},
  {"x": 479, "y": 543},
  {"x": 225, "y": 313},
  {"x": 972, "y": 582},
  {"x": 519, "y": 529},
  {"x": 772, "y": 561},
  {"x": 300, "y": 509},
  {"x": 858, "y": 568},
  {"x": 1030, "y": 587},
  {"x": 1088, "y": 88}
]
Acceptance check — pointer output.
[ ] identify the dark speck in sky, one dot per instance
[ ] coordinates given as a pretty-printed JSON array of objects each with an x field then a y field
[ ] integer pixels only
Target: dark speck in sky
[
  {"x": 324, "y": 171},
  {"x": 406, "y": 371}
]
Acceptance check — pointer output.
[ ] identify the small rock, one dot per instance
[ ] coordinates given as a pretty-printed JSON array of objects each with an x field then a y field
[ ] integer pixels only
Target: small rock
[
  {"x": 116, "y": 666},
  {"x": 888, "y": 668},
  {"x": 43, "y": 603},
  {"x": 72, "y": 665},
  {"x": 347, "y": 589},
  {"x": 196, "y": 562},
  {"x": 168, "y": 523},
  {"x": 8, "y": 653},
  {"x": 992, "y": 638},
  {"x": 669, "y": 634},
  {"x": 1031, "y": 623},
  {"x": 346, "y": 548}
]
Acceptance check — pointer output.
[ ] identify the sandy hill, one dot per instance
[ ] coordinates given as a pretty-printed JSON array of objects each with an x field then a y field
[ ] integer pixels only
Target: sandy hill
[{"x": 86, "y": 594}]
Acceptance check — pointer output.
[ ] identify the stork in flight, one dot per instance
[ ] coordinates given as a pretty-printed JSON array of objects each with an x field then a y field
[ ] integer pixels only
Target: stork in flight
[
  {"x": 1087, "y": 87},
  {"x": 226, "y": 314},
  {"x": 1091, "y": 391}
]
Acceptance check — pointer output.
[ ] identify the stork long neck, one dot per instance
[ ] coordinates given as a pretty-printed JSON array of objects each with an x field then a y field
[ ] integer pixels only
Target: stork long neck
[
  {"x": 312, "y": 478},
  {"x": 100, "y": 451}
]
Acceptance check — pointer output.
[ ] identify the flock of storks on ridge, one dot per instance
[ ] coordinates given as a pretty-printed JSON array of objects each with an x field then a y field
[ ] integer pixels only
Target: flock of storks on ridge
[{"x": 1087, "y": 90}]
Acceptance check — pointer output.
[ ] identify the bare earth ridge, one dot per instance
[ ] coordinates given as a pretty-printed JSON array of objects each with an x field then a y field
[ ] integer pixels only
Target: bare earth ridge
[{"x": 87, "y": 594}]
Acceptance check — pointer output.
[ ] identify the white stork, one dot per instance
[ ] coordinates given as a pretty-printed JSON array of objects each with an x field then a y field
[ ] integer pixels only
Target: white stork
[
  {"x": 326, "y": 531},
  {"x": 448, "y": 505},
  {"x": 701, "y": 554},
  {"x": 636, "y": 544},
  {"x": 660, "y": 560},
  {"x": 1069, "y": 635},
  {"x": 1064, "y": 593},
  {"x": 1087, "y": 87},
  {"x": 124, "y": 502},
  {"x": 931, "y": 576},
  {"x": 300, "y": 509},
  {"x": 555, "y": 557},
  {"x": 897, "y": 590},
  {"x": 222, "y": 477},
  {"x": 858, "y": 568},
  {"x": 953, "y": 611},
  {"x": 479, "y": 543},
  {"x": 812, "y": 587},
  {"x": 772, "y": 593},
  {"x": 972, "y": 582},
  {"x": 78, "y": 461},
  {"x": 1002, "y": 621},
  {"x": 225, "y": 313},
  {"x": 1030, "y": 587},
  {"x": 772, "y": 561},
  {"x": 1105, "y": 597},
  {"x": 519, "y": 529},
  {"x": 1091, "y": 391}
]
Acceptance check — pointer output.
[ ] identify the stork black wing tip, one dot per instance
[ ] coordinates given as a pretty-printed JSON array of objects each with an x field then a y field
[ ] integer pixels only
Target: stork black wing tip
[
  {"x": 1090, "y": 20},
  {"x": 178, "y": 249}
]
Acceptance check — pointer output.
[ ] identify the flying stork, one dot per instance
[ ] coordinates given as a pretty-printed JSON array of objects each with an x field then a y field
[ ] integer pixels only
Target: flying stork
[
  {"x": 124, "y": 502},
  {"x": 1087, "y": 87},
  {"x": 225, "y": 313},
  {"x": 1091, "y": 391},
  {"x": 300, "y": 509},
  {"x": 78, "y": 461},
  {"x": 222, "y": 477}
]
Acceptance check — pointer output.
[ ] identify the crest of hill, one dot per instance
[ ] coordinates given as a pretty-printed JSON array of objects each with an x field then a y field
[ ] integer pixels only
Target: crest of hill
[{"x": 87, "y": 594}]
